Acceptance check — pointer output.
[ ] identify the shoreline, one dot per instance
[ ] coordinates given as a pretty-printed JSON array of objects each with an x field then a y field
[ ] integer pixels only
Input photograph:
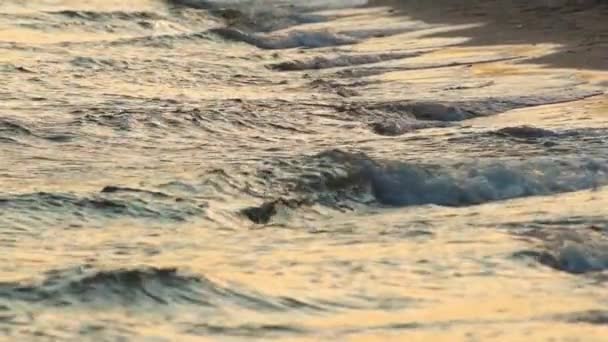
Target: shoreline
[{"x": 578, "y": 27}]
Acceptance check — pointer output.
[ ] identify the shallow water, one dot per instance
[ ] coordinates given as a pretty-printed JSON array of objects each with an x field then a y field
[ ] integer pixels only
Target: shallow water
[{"x": 178, "y": 171}]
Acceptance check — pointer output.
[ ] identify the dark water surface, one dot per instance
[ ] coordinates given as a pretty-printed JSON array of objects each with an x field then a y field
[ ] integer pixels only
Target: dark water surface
[{"x": 183, "y": 170}]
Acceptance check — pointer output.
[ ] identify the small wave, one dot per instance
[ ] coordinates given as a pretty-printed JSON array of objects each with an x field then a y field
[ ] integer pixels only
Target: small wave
[
  {"x": 437, "y": 111},
  {"x": 87, "y": 285},
  {"x": 132, "y": 285},
  {"x": 265, "y": 21},
  {"x": 423, "y": 114},
  {"x": 572, "y": 258},
  {"x": 292, "y": 39},
  {"x": 98, "y": 63},
  {"x": 475, "y": 184},
  {"x": 396, "y": 118},
  {"x": 8, "y": 67},
  {"x": 321, "y": 62},
  {"x": 577, "y": 245},
  {"x": 123, "y": 287},
  {"x": 11, "y": 130},
  {"x": 525, "y": 132},
  {"x": 580, "y": 258},
  {"x": 404, "y": 184}
]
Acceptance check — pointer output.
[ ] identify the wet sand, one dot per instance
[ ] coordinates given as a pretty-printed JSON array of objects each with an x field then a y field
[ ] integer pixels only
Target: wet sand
[{"x": 578, "y": 26}]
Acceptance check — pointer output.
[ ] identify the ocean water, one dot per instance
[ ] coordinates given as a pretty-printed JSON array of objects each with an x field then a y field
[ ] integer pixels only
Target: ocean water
[{"x": 274, "y": 170}]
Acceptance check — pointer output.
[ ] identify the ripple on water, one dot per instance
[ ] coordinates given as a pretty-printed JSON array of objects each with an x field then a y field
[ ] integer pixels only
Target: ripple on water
[{"x": 112, "y": 203}]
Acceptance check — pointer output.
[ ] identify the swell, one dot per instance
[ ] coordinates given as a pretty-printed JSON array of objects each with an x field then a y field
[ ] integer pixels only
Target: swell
[{"x": 141, "y": 286}]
